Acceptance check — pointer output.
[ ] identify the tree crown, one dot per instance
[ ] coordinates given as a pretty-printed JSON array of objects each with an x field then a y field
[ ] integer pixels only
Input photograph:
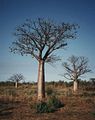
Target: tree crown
[
  {"x": 40, "y": 38},
  {"x": 76, "y": 67},
  {"x": 16, "y": 77}
]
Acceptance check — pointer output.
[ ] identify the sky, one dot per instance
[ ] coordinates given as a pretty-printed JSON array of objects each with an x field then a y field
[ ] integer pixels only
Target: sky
[{"x": 15, "y": 12}]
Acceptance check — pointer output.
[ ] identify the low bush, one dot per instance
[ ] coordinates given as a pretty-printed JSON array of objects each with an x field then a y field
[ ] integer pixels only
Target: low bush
[
  {"x": 51, "y": 105},
  {"x": 93, "y": 113},
  {"x": 42, "y": 107},
  {"x": 54, "y": 102}
]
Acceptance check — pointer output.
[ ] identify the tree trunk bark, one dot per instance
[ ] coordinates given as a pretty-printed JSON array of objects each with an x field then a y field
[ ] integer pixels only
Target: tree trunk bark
[
  {"x": 75, "y": 85},
  {"x": 41, "y": 81},
  {"x": 16, "y": 84}
]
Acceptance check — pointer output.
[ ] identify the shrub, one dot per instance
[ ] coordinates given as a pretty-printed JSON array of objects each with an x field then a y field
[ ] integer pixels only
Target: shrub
[
  {"x": 42, "y": 107},
  {"x": 55, "y": 102},
  {"x": 50, "y": 105},
  {"x": 93, "y": 113}
]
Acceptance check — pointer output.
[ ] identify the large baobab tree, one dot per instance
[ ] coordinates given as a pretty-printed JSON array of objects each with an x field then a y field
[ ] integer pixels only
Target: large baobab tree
[
  {"x": 41, "y": 38},
  {"x": 75, "y": 68},
  {"x": 16, "y": 78}
]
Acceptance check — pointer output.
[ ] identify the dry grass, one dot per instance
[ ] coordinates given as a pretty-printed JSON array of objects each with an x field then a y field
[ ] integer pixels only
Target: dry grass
[{"x": 15, "y": 104}]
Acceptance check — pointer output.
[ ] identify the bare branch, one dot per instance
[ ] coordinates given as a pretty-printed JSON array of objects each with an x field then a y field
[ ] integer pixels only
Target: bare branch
[
  {"x": 78, "y": 66},
  {"x": 68, "y": 76},
  {"x": 52, "y": 59},
  {"x": 42, "y": 37},
  {"x": 16, "y": 77}
]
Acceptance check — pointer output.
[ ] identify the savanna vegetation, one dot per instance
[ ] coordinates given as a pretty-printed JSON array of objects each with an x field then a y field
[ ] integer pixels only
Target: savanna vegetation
[{"x": 61, "y": 102}]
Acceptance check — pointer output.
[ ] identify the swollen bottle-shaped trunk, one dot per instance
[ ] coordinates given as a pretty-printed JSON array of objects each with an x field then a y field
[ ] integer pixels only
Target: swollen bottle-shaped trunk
[
  {"x": 75, "y": 85},
  {"x": 16, "y": 84},
  {"x": 41, "y": 81}
]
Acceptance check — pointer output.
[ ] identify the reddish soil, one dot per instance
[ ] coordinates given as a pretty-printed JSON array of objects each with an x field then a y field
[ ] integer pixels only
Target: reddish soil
[{"x": 76, "y": 108}]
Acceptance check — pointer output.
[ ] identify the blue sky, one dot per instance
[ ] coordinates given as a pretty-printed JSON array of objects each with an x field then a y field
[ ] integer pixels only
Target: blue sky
[{"x": 15, "y": 12}]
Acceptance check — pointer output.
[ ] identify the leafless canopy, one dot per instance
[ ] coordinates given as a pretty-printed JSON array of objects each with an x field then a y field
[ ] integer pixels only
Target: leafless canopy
[
  {"x": 76, "y": 67},
  {"x": 40, "y": 38},
  {"x": 16, "y": 77}
]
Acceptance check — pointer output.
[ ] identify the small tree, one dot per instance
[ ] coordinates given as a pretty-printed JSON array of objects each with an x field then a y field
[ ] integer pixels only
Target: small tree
[
  {"x": 40, "y": 39},
  {"x": 75, "y": 68},
  {"x": 16, "y": 78}
]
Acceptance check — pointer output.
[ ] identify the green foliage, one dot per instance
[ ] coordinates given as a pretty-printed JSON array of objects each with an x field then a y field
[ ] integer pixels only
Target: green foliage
[
  {"x": 54, "y": 102},
  {"x": 42, "y": 107},
  {"x": 51, "y": 105},
  {"x": 93, "y": 114}
]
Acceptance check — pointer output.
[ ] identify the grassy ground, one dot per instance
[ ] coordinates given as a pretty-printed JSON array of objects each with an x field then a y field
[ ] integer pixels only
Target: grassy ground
[{"x": 15, "y": 104}]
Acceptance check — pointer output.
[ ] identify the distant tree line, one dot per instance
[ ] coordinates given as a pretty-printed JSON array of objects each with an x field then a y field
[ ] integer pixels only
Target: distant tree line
[{"x": 53, "y": 83}]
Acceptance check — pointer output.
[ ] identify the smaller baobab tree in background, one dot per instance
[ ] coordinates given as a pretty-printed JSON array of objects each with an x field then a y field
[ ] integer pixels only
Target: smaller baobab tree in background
[
  {"x": 16, "y": 78},
  {"x": 75, "y": 68}
]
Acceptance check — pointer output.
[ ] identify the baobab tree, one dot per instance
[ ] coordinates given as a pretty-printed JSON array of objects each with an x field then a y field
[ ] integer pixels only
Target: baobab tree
[
  {"x": 75, "y": 68},
  {"x": 40, "y": 39},
  {"x": 16, "y": 78}
]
